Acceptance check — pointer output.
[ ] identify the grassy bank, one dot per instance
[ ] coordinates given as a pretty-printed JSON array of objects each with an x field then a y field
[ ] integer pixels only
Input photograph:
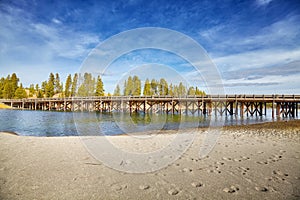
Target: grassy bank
[{"x": 4, "y": 106}]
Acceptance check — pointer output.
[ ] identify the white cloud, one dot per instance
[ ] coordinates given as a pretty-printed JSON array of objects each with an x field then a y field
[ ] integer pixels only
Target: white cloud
[
  {"x": 263, "y": 2},
  {"x": 56, "y": 21}
]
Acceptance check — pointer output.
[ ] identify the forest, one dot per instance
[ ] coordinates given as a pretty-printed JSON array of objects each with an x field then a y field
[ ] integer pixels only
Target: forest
[{"x": 83, "y": 85}]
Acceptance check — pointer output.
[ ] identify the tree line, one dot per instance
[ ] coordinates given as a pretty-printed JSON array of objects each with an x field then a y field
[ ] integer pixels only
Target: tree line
[
  {"x": 86, "y": 85},
  {"x": 132, "y": 86}
]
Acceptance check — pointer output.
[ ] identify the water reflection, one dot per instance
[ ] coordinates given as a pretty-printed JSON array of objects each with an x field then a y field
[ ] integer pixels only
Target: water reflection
[{"x": 46, "y": 123}]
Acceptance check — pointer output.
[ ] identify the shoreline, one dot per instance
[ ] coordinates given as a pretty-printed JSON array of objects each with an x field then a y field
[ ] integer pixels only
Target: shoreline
[{"x": 276, "y": 125}]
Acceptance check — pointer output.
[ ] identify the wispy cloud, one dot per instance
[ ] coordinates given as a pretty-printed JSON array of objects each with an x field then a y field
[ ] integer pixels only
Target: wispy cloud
[
  {"x": 288, "y": 69},
  {"x": 263, "y": 2},
  {"x": 27, "y": 44},
  {"x": 280, "y": 34},
  {"x": 256, "y": 59}
]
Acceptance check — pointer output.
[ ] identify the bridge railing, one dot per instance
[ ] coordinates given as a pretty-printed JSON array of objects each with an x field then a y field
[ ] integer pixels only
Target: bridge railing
[{"x": 273, "y": 97}]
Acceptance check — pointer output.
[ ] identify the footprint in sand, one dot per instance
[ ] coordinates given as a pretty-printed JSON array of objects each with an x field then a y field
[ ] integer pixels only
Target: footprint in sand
[
  {"x": 117, "y": 187},
  {"x": 197, "y": 184},
  {"x": 225, "y": 158},
  {"x": 173, "y": 191},
  {"x": 144, "y": 187},
  {"x": 186, "y": 170},
  {"x": 261, "y": 189},
  {"x": 232, "y": 189}
]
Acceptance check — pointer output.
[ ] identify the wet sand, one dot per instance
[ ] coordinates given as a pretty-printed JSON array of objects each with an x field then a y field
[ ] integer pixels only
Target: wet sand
[{"x": 248, "y": 162}]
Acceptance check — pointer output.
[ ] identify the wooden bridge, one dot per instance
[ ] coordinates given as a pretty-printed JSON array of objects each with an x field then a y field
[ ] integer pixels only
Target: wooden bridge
[{"x": 250, "y": 105}]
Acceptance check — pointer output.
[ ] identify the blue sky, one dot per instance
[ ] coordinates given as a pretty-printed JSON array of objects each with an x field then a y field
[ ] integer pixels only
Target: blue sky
[{"x": 254, "y": 44}]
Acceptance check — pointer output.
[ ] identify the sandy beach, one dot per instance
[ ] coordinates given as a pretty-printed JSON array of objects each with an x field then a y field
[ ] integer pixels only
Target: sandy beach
[{"x": 248, "y": 162}]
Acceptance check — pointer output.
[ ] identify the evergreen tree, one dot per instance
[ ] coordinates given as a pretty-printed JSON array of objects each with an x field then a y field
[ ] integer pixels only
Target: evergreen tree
[
  {"x": 49, "y": 88},
  {"x": 74, "y": 85},
  {"x": 8, "y": 90},
  {"x": 2, "y": 82},
  {"x": 181, "y": 89},
  {"x": 117, "y": 91},
  {"x": 31, "y": 90},
  {"x": 14, "y": 81},
  {"x": 87, "y": 87},
  {"x": 191, "y": 91},
  {"x": 20, "y": 93},
  {"x": 44, "y": 86},
  {"x": 163, "y": 87},
  {"x": 147, "y": 88},
  {"x": 57, "y": 84},
  {"x": 136, "y": 86},
  {"x": 37, "y": 87},
  {"x": 68, "y": 86},
  {"x": 10, "y": 86},
  {"x": 199, "y": 92},
  {"x": 171, "y": 90},
  {"x": 128, "y": 87},
  {"x": 154, "y": 89},
  {"x": 99, "y": 87}
]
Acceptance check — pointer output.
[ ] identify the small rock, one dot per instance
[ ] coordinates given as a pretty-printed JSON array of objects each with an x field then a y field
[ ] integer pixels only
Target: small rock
[
  {"x": 173, "y": 192},
  {"x": 144, "y": 187}
]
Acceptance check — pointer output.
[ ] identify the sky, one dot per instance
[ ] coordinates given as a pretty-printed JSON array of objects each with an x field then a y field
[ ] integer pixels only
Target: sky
[{"x": 255, "y": 44}]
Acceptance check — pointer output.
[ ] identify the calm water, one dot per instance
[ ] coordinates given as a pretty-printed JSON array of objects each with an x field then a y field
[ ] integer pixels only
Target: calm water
[{"x": 48, "y": 123}]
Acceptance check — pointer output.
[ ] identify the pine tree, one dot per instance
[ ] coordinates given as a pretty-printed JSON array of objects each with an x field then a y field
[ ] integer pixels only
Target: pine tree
[
  {"x": 163, "y": 87},
  {"x": 99, "y": 87},
  {"x": 8, "y": 90},
  {"x": 74, "y": 85},
  {"x": 181, "y": 89},
  {"x": 14, "y": 81},
  {"x": 20, "y": 93},
  {"x": 2, "y": 82},
  {"x": 57, "y": 84},
  {"x": 136, "y": 91},
  {"x": 87, "y": 86},
  {"x": 117, "y": 91},
  {"x": 31, "y": 90},
  {"x": 154, "y": 89},
  {"x": 44, "y": 85},
  {"x": 191, "y": 91},
  {"x": 129, "y": 87},
  {"x": 171, "y": 90},
  {"x": 49, "y": 88},
  {"x": 68, "y": 86},
  {"x": 199, "y": 92},
  {"x": 147, "y": 88}
]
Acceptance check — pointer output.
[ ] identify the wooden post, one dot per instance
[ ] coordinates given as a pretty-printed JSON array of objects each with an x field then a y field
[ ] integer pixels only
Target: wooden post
[
  {"x": 278, "y": 109},
  {"x": 204, "y": 108},
  {"x": 273, "y": 103},
  {"x": 296, "y": 109},
  {"x": 242, "y": 109},
  {"x": 260, "y": 109}
]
